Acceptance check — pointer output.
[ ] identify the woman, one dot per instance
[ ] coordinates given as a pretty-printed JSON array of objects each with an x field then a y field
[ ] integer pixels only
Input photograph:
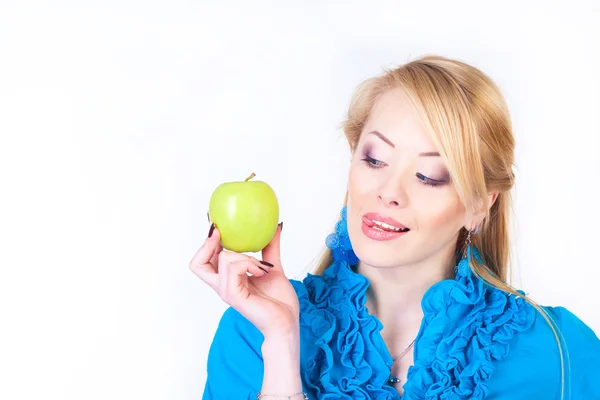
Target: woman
[{"x": 410, "y": 300}]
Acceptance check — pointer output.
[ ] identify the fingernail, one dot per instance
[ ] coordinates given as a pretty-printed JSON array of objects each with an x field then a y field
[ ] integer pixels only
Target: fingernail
[
  {"x": 281, "y": 225},
  {"x": 266, "y": 272},
  {"x": 211, "y": 230},
  {"x": 208, "y": 216},
  {"x": 268, "y": 264}
]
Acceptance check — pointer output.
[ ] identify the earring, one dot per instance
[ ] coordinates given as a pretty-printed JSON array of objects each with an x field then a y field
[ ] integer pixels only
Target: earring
[
  {"x": 467, "y": 252},
  {"x": 339, "y": 241}
]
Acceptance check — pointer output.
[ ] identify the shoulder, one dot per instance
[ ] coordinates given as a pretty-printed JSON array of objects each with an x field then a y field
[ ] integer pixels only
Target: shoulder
[
  {"x": 561, "y": 325},
  {"x": 563, "y": 331},
  {"x": 234, "y": 357},
  {"x": 533, "y": 366},
  {"x": 572, "y": 328},
  {"x": 580, "y": 351},
  {"x": 235, "y": 329},
  {"x": 235, "y": 338}
]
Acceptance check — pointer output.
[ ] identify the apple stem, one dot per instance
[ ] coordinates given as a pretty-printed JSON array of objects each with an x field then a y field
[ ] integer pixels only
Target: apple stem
[{"x": 250, "y": 177}]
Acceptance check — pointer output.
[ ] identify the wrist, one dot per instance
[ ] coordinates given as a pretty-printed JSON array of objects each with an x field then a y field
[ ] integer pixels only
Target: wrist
[
  {"x": 283, "y": 346},
  {"x": 281, "y": 357},
  {"x": 287, "y": 333}
]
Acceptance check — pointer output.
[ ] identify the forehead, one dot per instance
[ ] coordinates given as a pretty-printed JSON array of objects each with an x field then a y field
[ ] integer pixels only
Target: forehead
[{"x": 394, "y": 116}]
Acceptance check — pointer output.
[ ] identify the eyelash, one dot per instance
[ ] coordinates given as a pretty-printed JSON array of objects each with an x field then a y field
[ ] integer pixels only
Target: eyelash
[
  {"x": 428, "y": 181},
  {"x": 370, "y": 162},
  {"x": 376, "y": 164}
]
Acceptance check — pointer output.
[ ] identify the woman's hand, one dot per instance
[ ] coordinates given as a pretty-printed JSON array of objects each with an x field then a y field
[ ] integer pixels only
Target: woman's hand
[{"x": 267, "y": 298}]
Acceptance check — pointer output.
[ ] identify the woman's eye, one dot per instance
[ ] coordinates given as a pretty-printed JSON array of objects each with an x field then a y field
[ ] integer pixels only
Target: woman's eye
[
  {"x": 372, "y": 163},
  {"x": 428, "y": 181},
  {"x": 376, "y": 164}
]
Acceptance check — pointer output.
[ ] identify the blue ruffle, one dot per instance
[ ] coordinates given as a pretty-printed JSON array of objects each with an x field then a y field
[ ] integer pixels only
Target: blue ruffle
[
  {"x": 466, "y": 326},
  {"x": 332, "y": 306},
  {"x": 339, "y": 241}
]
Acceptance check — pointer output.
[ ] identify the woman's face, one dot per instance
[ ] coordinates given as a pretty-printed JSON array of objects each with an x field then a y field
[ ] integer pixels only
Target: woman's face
[{"x": 397, "y": 176}]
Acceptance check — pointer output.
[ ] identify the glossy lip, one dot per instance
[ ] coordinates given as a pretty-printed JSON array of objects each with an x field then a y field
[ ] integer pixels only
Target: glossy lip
[
  {"x": 369, "y": 217},
  {"x": 377, "y": 234}
]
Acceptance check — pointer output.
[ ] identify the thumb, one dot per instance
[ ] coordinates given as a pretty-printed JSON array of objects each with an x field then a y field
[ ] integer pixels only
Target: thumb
[{"x": 272, "y": 252}]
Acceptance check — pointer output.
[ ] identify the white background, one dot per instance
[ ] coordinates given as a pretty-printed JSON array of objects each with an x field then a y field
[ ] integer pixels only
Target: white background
[{"x": 119, "y": 118}]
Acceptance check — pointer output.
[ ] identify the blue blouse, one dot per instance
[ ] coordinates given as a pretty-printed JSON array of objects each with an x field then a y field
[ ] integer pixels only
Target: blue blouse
[{"x": 475, "y": 342}]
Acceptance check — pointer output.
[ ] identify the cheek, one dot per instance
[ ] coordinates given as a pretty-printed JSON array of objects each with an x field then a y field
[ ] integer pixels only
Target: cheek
[
  {"x": 440, "y": 212},
  {"x": 360, "y": 193},
  {"x": 359, "y": 181}
]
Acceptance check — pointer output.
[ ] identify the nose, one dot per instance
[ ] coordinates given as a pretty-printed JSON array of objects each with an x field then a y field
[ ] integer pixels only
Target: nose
[{"x": 392, "y": 194}]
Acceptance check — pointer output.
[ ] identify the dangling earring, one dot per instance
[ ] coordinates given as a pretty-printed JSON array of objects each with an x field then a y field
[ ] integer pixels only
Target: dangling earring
[
  {"x": 468, "y": 242},
  {"x": 467, "y": 253}
]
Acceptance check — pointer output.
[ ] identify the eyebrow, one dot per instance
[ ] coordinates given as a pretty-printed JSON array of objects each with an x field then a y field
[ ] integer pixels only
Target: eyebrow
[
  {"x": 382, "y": 137},
  {"x": 389, "y": 142}
]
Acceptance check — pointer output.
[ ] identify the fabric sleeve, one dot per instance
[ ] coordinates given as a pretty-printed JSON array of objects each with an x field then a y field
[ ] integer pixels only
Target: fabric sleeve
[
  {"x": 583, "y": 352},
  {"x": 235, "y": 364},
  {"x": 532, "y": 367}
]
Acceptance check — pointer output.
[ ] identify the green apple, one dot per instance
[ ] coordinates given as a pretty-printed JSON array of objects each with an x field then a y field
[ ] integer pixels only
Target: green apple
[{"x": 246, "y": 213}]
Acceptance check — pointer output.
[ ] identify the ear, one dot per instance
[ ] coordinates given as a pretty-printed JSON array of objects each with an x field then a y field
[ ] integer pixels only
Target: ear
[
  {"x": 475, "y": 220},
  {"x": 492, "y": 197}
]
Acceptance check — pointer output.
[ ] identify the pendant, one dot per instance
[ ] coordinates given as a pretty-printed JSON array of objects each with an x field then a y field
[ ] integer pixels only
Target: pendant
[{"x": 392, "y": 380}]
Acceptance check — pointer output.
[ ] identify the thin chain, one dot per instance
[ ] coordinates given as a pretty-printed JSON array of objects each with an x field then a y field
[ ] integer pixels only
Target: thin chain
[
  {"x": 405, "y": 351},
  {"x": 393, "y": 379}
]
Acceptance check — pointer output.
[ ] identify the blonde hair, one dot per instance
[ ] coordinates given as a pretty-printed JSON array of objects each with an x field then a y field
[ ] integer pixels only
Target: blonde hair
[{"x": 467, "y": 118}]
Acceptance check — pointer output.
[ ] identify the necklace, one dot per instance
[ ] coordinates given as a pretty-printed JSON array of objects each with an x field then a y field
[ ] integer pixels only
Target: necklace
[{"x": 393, "y": 379}]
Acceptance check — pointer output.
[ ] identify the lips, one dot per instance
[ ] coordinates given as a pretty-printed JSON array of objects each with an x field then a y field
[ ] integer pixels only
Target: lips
[{"x": 383, "y": 222}]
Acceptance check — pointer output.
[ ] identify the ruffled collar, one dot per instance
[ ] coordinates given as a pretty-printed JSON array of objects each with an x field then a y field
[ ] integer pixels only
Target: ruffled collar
[{"x": 467, "y": 325}]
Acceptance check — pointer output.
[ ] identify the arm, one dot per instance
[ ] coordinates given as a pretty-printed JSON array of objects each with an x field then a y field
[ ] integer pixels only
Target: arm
[{"x": 281, "y": 357}]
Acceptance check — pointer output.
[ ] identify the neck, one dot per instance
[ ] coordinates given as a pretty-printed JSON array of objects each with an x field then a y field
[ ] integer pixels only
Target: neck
[{"x": 395, "y": 293}]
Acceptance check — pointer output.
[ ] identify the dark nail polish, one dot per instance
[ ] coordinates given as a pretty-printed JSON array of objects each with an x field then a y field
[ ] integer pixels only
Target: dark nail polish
[
  {"x": 268, "y": 264},
  {"x": 211, "y": 230},
  {"x": 281, "y": 225},
  {"x": 266, "y": 272}
]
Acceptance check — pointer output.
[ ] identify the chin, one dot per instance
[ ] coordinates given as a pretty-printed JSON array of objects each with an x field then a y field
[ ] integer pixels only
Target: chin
[{"x": 379, "y": 257}]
